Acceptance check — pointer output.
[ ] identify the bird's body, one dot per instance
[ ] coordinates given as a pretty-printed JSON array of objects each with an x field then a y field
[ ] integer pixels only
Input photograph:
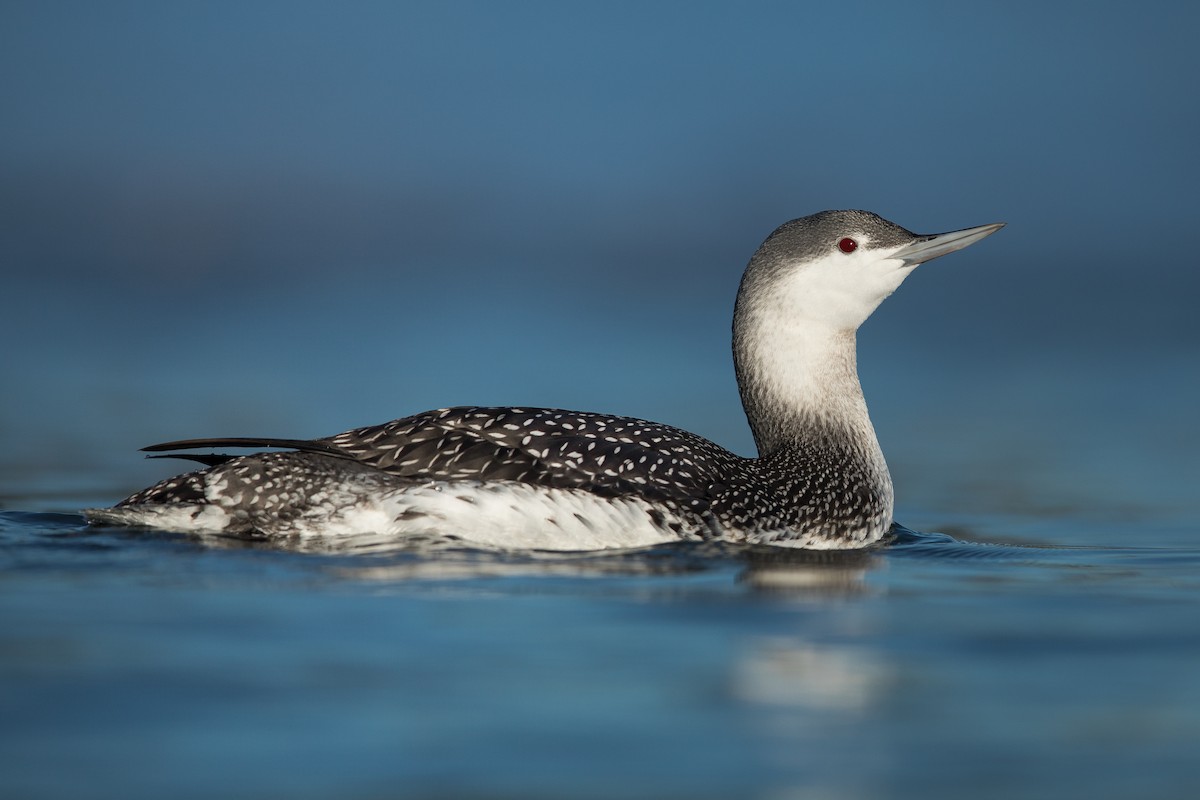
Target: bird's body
[{"x": 553, "y": 479}]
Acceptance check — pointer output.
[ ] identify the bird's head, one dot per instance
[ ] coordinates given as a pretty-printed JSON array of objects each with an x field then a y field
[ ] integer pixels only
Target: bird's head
[{"x": 835, "y": 268}]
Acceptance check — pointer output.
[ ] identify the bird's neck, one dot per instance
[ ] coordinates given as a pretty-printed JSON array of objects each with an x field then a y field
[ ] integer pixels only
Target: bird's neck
[{"x": 799, "y": 385}]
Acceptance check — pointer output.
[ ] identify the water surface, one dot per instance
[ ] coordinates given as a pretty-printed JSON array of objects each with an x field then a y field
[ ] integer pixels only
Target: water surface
[
  {"x": 143, "y": 664},
  {"x": 273, "y": 220}
]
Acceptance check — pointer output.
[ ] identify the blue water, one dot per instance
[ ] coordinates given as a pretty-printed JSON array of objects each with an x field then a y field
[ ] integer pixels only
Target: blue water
[
  {"x": 285, "y": 220},
  {"x": 139, "y": 664}
]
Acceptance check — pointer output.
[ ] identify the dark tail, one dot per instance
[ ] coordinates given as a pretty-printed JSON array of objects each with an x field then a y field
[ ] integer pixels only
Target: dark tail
[{"x": 304, "y": 445}]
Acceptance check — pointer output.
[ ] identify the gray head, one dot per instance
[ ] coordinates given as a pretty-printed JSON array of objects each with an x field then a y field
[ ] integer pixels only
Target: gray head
[{"x": 836, "y": 267}]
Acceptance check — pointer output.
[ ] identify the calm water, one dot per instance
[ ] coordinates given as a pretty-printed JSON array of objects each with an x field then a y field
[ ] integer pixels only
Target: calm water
[
  {"x": 269, "y": 219},
  {"x": 155, "y": 665}
]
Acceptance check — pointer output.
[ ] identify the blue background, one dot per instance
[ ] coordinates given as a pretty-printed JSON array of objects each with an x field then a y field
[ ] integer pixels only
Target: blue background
[
  {"x": 288, "y": 219},
  {"x": 294, "y": 218}
]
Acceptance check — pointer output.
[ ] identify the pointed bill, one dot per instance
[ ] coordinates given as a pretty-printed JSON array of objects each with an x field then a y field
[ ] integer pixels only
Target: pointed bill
[{"x": 927, "y": 248}]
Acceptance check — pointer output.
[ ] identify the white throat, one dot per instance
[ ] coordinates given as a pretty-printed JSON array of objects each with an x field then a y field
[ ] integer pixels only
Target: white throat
[{"x": 797, "y": 374}]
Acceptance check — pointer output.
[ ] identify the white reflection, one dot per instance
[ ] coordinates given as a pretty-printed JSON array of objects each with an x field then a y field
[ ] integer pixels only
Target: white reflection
[{"x": 796, "y": 674}]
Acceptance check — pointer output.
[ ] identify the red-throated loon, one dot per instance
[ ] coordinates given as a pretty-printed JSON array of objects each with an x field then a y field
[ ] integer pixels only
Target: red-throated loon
[{"x": 567, "y": 480}]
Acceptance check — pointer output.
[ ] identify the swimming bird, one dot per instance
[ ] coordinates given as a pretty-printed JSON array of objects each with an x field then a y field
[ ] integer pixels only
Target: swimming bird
[{"x": 566, "y": 480}]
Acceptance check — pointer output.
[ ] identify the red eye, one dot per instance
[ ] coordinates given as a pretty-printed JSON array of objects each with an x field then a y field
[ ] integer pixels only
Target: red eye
[{"x": 847, "y": 245}]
